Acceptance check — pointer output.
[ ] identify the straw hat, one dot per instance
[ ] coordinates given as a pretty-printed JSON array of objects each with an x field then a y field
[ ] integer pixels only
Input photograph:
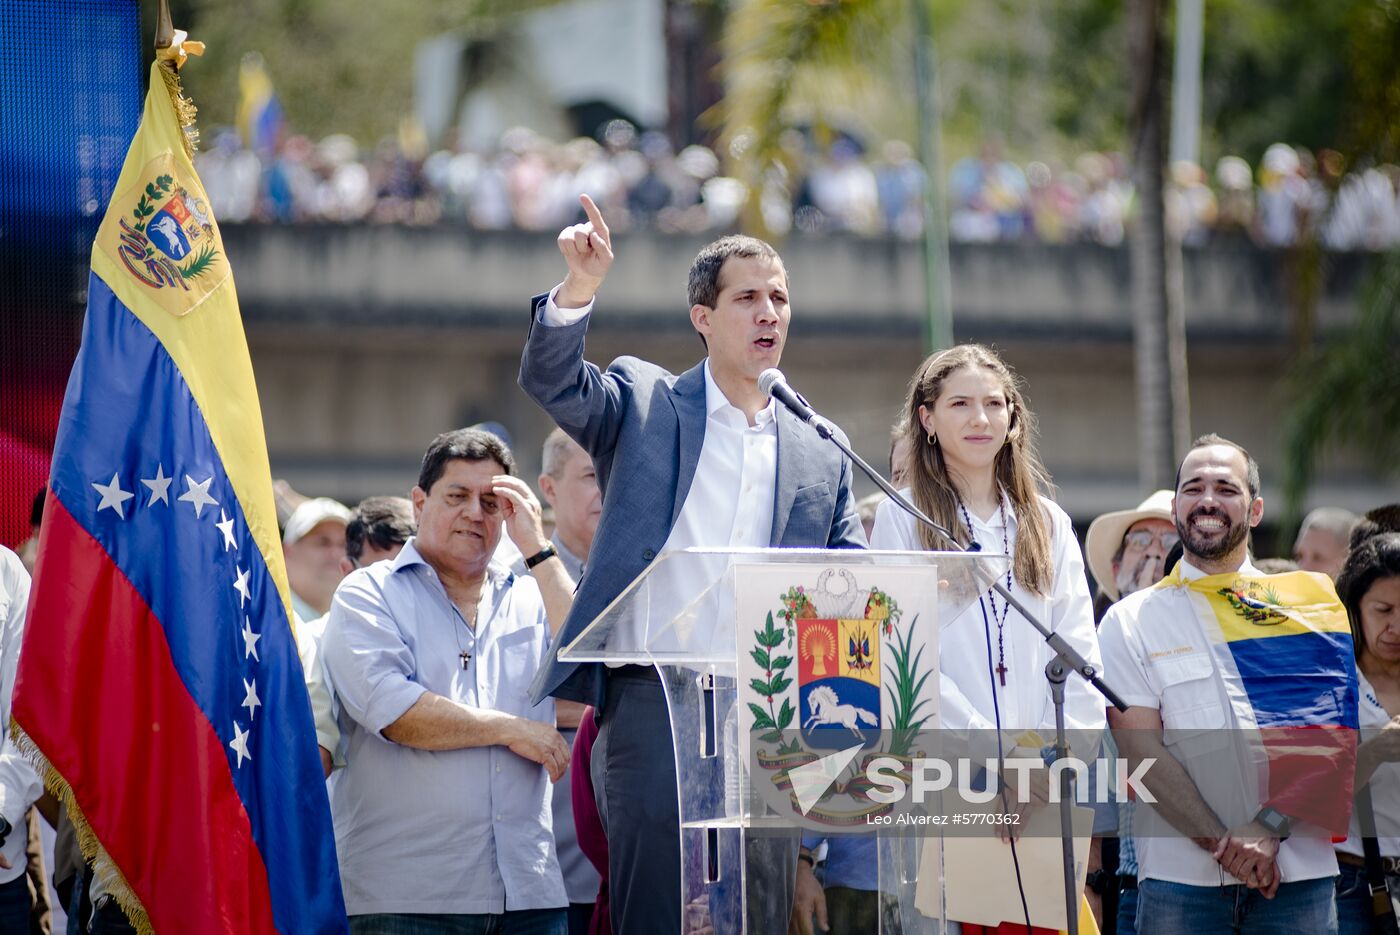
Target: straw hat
[{"x": 1107, "y": 531}]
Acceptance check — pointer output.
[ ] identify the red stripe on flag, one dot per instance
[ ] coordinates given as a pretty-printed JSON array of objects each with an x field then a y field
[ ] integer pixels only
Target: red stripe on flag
[
  {"x": 1312, "y": 771},
  {"x": 99, "y": 694}
]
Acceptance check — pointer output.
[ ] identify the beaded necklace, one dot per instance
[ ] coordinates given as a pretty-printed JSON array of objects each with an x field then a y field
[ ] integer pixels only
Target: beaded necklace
[{"x": 984, "y": 600}]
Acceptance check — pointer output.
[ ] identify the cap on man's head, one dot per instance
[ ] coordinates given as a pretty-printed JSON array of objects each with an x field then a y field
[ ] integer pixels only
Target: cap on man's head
[
  {"x": 1106, "y": 535},
  {"x": 311, "y": 514}
]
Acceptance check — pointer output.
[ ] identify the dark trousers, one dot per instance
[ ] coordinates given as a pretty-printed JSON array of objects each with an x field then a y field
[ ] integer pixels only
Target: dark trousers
[
  {"x": 634, "y": 780},
  {"x": 580, "y": 915},
  {"x": 14, "y": 905}
]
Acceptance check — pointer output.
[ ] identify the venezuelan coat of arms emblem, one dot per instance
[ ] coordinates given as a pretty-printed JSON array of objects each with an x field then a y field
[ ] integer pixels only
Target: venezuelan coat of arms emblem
[
  {"x": 838, "y": 664},
  {"x": 164, "y": 237}
]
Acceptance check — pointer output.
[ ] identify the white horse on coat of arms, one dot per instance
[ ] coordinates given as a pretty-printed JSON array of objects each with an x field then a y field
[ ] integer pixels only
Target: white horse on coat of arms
[
  {"x": 169, "y": 232},
  {"x": 827, "y": 710}
]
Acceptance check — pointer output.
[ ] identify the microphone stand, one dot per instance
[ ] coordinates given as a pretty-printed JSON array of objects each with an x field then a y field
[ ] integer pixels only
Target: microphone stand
[{"x": 1067, "y": 659}]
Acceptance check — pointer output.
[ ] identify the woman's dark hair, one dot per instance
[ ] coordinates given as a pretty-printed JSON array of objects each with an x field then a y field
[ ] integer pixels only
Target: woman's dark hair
[{"x": 1376, "y": 558}]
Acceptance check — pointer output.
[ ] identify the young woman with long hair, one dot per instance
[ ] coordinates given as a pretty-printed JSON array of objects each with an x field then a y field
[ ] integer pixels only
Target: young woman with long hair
[{"x": 973, "y": 468}]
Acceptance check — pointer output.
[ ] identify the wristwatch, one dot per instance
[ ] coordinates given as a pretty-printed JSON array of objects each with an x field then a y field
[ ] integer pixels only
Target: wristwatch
[
  {"x": 1275, "y": 822},
  {"x": 543, "y": 555},
  {"x": 1097, "y": 881}
]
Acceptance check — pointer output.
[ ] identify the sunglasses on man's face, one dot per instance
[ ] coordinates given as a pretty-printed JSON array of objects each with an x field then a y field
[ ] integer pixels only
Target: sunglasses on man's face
[{"x": 1142, "y": 538}]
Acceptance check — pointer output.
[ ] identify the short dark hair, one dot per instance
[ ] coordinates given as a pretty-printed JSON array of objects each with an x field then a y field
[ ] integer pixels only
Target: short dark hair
[
  {"x": 1375, "y": 558},
  {"x": 1381, "y": 519},
  {"x": 1251, "y": 467},
  {"x": 462, "y": 445},
  {"x": 383, "y": 522},
  {"x": 703, "y": 286}
]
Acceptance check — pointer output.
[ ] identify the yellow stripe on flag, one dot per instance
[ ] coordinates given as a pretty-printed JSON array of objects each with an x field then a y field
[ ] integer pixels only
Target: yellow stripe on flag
[
  {"x": 1262, "y": 606},
  {"x": 192, "y": 309}
]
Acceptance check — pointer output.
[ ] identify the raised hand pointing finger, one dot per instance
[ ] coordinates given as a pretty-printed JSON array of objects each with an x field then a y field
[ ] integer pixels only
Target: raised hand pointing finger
[{"x": 587, "y": 249}]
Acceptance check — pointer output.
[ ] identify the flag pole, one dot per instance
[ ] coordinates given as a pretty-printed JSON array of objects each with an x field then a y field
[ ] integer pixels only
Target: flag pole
[{"x": 165, "y": 28}]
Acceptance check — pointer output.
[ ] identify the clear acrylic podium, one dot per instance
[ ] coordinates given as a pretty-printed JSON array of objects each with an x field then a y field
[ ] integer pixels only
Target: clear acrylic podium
[{"x": 773, "y": 660}]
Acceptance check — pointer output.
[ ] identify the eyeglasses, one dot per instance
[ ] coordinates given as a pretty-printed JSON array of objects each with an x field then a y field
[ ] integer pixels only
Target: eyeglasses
[{"x": 1142, "y": 538}]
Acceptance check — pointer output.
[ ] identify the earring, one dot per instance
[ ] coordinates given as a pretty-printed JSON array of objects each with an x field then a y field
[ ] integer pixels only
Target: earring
[{"x": 933, "y": 439}]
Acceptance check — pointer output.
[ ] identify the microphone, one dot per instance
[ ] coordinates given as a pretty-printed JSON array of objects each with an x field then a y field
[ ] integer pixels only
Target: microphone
[{"x": 774, "y": 384}]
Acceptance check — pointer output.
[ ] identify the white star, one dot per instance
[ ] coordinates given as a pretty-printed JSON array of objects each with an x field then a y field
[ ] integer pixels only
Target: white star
[
  {"x": 159, "y": 485},
  {"x": 113, "y": 496},
  {"x": 226, "y": 527},
  {"x": 250, "y": 640},
  {"x": 250, "y": 701},
  {"x": 239, "y": 743},
  {"x": 198, "y": 494},
  {"x": 240, "y": 584}
]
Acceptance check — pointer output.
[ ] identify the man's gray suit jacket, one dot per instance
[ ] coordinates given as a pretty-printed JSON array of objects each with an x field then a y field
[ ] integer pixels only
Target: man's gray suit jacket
[{"x": 644, "y": 427}]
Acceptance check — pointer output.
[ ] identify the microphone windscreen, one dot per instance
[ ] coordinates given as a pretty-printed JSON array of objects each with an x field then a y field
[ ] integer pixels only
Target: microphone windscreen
[{"x": 768, "y": 379}]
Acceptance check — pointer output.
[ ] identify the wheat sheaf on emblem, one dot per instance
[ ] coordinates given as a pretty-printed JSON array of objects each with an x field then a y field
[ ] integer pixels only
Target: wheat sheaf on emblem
[{"x": 817, "y": 646}]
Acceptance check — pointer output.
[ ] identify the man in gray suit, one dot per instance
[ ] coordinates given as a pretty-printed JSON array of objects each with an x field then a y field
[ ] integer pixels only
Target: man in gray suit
[{"x": 700, "y": 459}]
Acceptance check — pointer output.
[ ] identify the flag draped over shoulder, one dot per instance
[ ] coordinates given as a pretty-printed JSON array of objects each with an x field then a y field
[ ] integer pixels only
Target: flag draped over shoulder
[
  {"x": 160, "y": 689},
  {"x": 1284, "y": 648}
]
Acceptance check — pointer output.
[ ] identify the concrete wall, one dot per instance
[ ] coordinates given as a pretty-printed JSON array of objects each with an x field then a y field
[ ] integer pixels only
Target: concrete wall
[{"x": 367, "y": 341}]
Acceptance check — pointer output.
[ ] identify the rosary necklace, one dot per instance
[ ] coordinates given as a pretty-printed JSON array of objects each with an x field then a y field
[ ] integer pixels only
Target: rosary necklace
[{"x": 984, "y": 600}]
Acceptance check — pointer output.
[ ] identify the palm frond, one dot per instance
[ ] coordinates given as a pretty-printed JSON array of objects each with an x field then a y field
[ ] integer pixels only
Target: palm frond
[
  {"x": 1348, "y": 391},
  {"x": 201, "y": 263},
  {"x": 773, "y": 48}
]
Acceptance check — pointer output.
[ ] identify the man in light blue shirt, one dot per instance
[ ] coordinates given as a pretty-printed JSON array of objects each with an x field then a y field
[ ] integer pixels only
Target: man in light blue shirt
[{"x": 442, "y": 813}]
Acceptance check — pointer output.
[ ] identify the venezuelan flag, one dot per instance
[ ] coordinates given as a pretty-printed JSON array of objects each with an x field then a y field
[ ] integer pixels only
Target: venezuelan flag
[
  {"x": 1284, "y": 648},
  {"x": 260, "y": 116},
  {"x": 159, "y": 688}
]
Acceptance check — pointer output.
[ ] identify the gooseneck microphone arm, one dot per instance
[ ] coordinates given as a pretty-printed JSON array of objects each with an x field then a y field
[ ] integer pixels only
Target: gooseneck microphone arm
[
  {"x": 1065, "y": 660},
  {"x": 773, "y": 383}
]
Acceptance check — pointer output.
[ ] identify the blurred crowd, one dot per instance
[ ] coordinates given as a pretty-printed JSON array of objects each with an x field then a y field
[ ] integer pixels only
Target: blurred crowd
[{"x": 530, "y": 183}]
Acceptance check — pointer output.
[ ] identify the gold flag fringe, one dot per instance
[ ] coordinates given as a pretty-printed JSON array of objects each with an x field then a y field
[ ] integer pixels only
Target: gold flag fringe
[
  {"x": 102, "y": 863},
  {"x": 185, "y": 111}
]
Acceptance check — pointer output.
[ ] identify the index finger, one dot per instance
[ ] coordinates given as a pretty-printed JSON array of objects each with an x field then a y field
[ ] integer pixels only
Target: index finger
[{"x": 595, "y": 217}]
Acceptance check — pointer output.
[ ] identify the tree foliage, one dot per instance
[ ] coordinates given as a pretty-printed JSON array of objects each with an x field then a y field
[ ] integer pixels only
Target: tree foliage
[
  {"x": 1348, "y": 390},
  {"x": 336, "y": 67}
]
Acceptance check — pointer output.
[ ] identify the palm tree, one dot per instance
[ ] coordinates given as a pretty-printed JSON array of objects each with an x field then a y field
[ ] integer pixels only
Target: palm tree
[
  {"x": 1159, "y": 320},
  {"x": 1347, "y": 390},
  {"x": 842, "y": 51}
]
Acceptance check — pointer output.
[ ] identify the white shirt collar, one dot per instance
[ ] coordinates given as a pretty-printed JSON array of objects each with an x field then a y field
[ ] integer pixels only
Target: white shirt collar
[
  {"x": 717, "y": 402},
  {"x": 496, "y": 571}
]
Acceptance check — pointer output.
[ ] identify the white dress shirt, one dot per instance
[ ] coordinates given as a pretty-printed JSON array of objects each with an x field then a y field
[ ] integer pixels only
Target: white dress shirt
[
  {"x": 324, "y": 708},
  {"x": 1159, "y": 656},
  {"x": 730, "y": 501},
  {"x": 19, "y": 783},
  {"x": 1024, "y": 701}
]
